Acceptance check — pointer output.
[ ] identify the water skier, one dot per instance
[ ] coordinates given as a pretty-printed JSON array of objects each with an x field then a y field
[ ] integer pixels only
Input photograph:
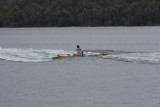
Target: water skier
[{"x": 79, "y": 51}]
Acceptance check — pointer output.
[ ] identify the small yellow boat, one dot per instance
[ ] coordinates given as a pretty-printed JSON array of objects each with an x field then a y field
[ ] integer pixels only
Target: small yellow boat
[
  {"x": 74, "y": 55},
  {"x": 104, "y": 54},
  {"x": 59, "y": 57},
  {"x": 64, "y": 56}
]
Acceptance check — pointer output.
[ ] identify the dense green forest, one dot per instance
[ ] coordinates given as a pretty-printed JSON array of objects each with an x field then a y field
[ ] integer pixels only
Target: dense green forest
[{"x": 36, "y": 13}]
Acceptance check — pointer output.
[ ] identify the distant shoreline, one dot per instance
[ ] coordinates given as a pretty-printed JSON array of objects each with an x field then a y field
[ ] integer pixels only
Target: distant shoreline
[
  {"x": 78, "y": 26},
  {"x": 79, "y": 13}
]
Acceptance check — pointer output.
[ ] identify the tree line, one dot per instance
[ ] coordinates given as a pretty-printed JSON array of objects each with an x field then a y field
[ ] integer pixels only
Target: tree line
[{"x": 41, "y": 13}]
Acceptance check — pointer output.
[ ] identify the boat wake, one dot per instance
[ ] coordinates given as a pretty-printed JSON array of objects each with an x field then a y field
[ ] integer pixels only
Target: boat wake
[
  {"x": 29, "y": 55},
  {"x": 144, "y": 58},
  {"x": 35, "y": 55}
]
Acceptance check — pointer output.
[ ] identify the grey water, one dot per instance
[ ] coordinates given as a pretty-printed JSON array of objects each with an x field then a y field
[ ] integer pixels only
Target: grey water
[{"x": 127, "y": 77}]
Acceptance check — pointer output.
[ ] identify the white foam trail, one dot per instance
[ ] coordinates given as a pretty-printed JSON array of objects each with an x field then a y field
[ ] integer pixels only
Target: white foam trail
[
  {"x": 137, "y": 57},
  {"x": 35, "y": 55},
  {"x": 30, "y": 55}
]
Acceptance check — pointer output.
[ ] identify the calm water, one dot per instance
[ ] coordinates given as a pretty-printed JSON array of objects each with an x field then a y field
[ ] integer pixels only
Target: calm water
[{"x": 128, "y": 76}]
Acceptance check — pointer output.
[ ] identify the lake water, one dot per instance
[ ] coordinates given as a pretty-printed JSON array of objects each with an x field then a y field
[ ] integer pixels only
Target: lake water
[{"x": 128, "y": 76}]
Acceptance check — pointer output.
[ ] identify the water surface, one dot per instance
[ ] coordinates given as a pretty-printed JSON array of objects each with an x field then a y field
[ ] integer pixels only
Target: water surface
[{"x": 127, "y": 76}]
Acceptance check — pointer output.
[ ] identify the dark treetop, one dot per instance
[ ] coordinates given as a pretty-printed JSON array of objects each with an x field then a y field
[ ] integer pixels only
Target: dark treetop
[{"x": 36, "y": 13}]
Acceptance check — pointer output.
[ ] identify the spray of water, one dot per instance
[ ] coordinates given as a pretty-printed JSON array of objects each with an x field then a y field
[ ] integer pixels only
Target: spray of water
[{"x": 35, "y": 55}]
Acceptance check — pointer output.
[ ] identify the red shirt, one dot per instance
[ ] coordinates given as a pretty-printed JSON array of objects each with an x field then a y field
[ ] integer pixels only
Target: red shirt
[{"x": 79, "y": 51}]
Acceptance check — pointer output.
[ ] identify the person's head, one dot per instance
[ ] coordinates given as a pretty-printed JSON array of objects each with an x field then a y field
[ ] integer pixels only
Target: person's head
[{"x": 78, "y": 46}]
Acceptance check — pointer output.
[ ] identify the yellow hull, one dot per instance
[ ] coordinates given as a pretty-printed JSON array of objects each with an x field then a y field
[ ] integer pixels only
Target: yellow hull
[
  {"x": 76, "y": 55},
  {"x": 100, "y": 55},
  {"x": 65, "y": 56},
  {"x": 61, "y": 56}
]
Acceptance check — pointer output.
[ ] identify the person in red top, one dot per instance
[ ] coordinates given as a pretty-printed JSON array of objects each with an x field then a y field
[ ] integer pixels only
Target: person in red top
[{"x": 79, "y": 50}]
